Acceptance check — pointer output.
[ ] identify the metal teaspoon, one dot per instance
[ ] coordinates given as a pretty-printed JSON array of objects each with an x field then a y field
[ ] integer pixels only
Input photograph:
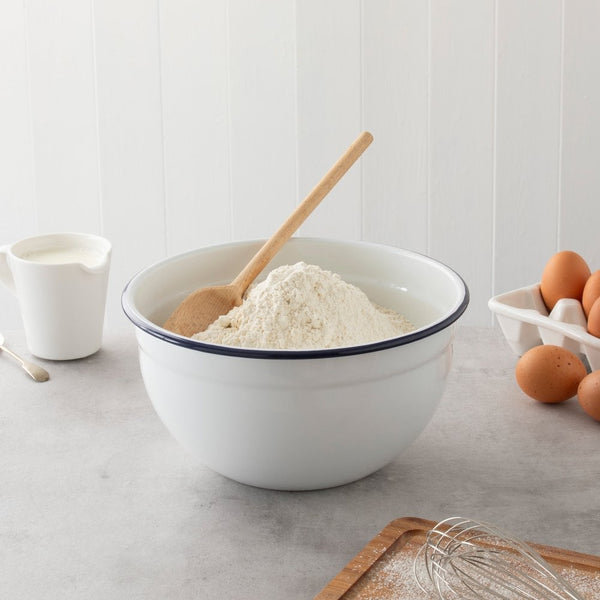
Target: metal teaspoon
[{"x": 33, "y": 370}]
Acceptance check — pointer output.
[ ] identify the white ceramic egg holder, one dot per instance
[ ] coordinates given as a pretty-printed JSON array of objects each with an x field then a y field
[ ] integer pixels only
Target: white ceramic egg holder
[{"x": 525, "y": 322}]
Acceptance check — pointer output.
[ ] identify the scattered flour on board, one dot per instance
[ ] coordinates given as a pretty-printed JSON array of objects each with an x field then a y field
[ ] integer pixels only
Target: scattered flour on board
[
  {"x": 304, "y": 307},
  {"x": 392, "y": 577}
]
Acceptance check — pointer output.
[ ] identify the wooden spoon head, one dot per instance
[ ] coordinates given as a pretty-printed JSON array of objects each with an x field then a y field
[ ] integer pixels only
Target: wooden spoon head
[{"x": 201, "y": 308}]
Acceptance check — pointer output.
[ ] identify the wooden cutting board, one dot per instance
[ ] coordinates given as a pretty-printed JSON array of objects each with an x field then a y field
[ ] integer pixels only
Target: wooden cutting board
[{"x": 382, "y": 570}]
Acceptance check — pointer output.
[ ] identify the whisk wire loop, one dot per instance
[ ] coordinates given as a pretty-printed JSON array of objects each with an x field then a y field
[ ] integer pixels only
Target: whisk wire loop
[{"x": 465, "y": 559}]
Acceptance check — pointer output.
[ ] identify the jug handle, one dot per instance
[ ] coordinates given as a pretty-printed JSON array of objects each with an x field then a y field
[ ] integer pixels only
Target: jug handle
[{"x": 6, "y": 276}]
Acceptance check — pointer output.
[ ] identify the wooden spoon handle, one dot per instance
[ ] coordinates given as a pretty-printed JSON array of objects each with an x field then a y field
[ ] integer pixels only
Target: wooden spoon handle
[{"x": 272, "y": 246}]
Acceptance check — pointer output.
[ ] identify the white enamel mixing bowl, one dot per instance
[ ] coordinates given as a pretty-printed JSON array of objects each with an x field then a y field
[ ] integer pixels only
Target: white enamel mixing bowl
[{"x": 299, "y": 419}]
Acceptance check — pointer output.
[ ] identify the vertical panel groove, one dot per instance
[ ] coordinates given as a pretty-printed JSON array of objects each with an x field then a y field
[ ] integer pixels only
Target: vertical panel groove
[
  {"x": 361, "y": 77},
  {"x": 97, "y": 116},
  {"x": 229, "y": 124},
  {"x": 30, "y": 112},
  {"x": 296, "y": 104},
  {"x": 161, "y": 129},
  {"x": 560, "y": 125},
  {"x": 494, "y": 157},
  {"x": 428, "y": 136}
]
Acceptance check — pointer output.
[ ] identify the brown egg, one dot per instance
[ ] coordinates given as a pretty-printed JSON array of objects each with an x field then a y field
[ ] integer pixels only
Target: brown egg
[
  {"x": 564, "y": 276},
  {"x": 588, "y": 394},
  {"x": 593, "y": 322},
  {"x": 549, "y": 374},
  {"x": 591, "y": 292}
]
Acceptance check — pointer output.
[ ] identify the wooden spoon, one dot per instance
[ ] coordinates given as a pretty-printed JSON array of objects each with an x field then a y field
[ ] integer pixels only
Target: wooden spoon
[{"x": 204, "y": 306}]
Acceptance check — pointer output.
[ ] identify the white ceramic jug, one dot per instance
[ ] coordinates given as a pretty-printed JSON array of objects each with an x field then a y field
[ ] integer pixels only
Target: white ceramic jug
[{"x": 60, "y": 280}]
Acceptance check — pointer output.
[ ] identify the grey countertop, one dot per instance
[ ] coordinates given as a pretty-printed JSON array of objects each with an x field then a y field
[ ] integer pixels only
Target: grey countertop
[{"x": 98, "y": 501}]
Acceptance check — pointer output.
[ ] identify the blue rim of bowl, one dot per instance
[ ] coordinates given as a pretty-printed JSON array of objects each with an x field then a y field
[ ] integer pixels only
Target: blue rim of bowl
[{"x": 265, "y": 353}]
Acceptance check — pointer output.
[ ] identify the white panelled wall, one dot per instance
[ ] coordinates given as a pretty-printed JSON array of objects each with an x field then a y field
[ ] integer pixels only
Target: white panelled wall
[{"x": 166, "y": 125}]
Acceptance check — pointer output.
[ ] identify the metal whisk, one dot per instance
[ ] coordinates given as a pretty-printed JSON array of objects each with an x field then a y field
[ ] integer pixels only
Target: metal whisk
[{"x": 465, "y": 559}]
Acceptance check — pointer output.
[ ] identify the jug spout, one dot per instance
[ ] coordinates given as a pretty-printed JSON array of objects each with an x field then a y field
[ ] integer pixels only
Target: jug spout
[{"x": 99, "y": 264}]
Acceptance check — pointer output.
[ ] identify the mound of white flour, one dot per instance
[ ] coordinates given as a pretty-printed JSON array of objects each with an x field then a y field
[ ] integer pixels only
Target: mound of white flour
[{"x": 304, "y": 307}]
